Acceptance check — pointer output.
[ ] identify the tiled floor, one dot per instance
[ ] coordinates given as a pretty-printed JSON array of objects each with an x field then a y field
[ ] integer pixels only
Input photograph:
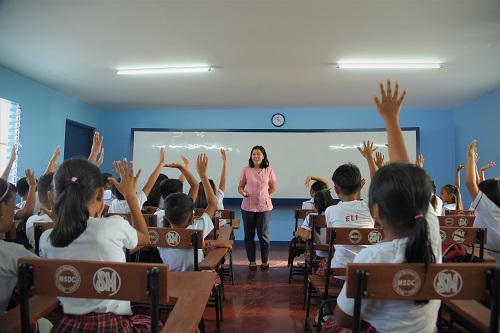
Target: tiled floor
[{"x": 261, "y": 301}]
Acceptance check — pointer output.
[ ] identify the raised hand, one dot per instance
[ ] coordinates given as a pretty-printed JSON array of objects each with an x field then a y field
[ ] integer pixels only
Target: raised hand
[
  {"x": 379, "y": 159},
  {"x": 185, "y": 160},
  {"x": 368, "y": 149},
  {"x": 487, "y": 166},
  {"x": 128, "y": 181},
  {"x": 389, "y": 104},
  {"x": 420, "y": 161},
  {"x": 202, "y": 165}
]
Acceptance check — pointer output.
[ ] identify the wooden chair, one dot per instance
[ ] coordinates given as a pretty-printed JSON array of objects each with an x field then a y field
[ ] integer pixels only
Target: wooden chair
[
  {"x": 460, "y": 212},
  {"x": 149, "y": 209},
  {"x": 465, "y": 236},
  {"x": 299, "y": 214},
  {"x": 138, "y": 282},
  {"x": 180, "y": 238},
  {"x": 467, "y": 281},
  {"x": 39, "y": 228},
  {"x": 337, "y": 236},
  {"x": 456, "y": 220}
]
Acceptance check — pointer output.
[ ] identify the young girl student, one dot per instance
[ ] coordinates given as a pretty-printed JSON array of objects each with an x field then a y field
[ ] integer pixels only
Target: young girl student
[
  {"x": 486, "y": 203},
  {"x": 78, "y": 195},
  {"x": 399, "y": 201},
  {"x": 201, "y": 198},
  {"x": 450, "y": 195},
  {"x": 319, "y": 185}
]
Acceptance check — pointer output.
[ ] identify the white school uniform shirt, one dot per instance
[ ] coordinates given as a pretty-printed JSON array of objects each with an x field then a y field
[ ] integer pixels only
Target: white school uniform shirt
[
  {"x": 309, "y": 204},
  {"x": 103, "y": 240},
  {"x": 30, "y": 230},
  {"x": 439, "y": 206},
  {"x": 22, "y": 204},
  {"x": 388, "y": 315},
  {"x": 318, "y": 238},
  {"x": 488, "y": 216},
  {"x": 121, "y": 206},
  {"x": 108, "y": 197},
  {"x": 219, "y": 196},
  {"x": 9, "y": 253},
  {"x": 348, "y": 214},
  {"x": 181, "y": 260},
  {"x": 452, "y": 206}
]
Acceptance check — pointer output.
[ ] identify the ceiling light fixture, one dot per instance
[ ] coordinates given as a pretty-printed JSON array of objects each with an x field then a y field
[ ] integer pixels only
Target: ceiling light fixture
[
  {"x": 388, "y": 66},
  {"x": 164, "y": 70}
]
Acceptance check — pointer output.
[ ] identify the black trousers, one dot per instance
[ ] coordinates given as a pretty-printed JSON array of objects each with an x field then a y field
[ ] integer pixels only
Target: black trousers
[{"x": 259, "y": 221}]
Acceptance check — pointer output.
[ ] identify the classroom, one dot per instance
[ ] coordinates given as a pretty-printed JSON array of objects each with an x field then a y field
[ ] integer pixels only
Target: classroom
[{"x": 58, "y": 61}]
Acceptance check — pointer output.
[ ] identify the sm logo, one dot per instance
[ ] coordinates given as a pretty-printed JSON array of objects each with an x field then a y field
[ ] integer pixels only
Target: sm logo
[
  {"x": 107, "y": 280},
  {"x": 448, "y": 283}
]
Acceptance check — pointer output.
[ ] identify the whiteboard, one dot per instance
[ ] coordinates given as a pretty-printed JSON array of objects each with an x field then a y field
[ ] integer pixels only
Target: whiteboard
[{"x": 293, "y": 155}]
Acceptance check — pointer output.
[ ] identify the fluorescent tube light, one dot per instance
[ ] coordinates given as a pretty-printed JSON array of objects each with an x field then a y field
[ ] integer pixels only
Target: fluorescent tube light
[
  {"x": 388, "y": 66},
  {"x": 164, "y": 70}
]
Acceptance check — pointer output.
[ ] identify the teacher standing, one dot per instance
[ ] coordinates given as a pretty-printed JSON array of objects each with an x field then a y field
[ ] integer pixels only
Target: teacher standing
[{"x": 257, "y": 183}]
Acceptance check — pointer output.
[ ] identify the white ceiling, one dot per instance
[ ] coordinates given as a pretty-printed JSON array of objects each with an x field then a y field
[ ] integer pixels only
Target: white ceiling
[{"x": 265, "y": 54}]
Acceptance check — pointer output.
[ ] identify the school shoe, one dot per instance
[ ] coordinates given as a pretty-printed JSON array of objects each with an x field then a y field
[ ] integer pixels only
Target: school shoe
[
  {"x": 252, "y": 266},
  {"x": 264, "y": 266}
]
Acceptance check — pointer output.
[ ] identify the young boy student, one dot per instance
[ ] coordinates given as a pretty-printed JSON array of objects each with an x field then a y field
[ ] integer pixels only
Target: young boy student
[
  {"x": 44, "y": 186},
  {"x": 179, "y": 213}
]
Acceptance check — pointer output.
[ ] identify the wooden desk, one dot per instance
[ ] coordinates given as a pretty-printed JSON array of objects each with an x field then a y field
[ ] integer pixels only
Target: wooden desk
[
  {"x": 224, "y": 233},
  {"x": 39, "y": 306},
  {"x": 192, "y": 290},
  {"x": 213, "y": 258}
]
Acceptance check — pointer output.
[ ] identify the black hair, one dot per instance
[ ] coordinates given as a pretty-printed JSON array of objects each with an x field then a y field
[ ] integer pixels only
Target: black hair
[
  {"x": 491, "y": 188},
  {"x": 116, "y": 193},
  {"x": 155, "y": 194},
  {"x": 169, "y": 186},
  {"x": 265, "y": 162},
  {"x": 75, "y": 183},
  {"x": 322, "y": 200},
  {"x": 22, "y": 187},
  {"x": 105, "y": 177},
  {"x": 455, "y": 191},
  {"x": 434, "y": 201},
  {"x": 44, "y": 186},
  {"x": 3, "y": 188},
  {"x": 178, "y": 206},
  {"x": 401, "y": 192},
  {"x": 201, "y": 198},
  {"x": 318, "y": 186},
  {"x": 347, "y": 178}
]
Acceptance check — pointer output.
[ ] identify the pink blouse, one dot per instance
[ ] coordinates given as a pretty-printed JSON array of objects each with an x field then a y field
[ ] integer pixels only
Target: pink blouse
[{"x": 257, "y": 184}]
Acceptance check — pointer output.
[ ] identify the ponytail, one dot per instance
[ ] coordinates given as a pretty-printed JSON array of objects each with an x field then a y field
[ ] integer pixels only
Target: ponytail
[
  {"x": 322, "y": 200},
  {"x": 418, "y": 248},
  {"x": 453, "y": 189},
  {"x": 75, "y": 184}
]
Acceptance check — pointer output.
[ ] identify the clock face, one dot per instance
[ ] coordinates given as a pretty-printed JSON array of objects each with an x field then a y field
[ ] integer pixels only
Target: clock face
[{"x": 278, "y": 119}]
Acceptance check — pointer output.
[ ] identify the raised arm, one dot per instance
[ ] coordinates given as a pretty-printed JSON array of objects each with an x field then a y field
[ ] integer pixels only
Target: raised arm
[
  {"x": 222, "y": 181},
  {"x": 420, "y": 161},
  {"x": 457, "y": 175},
  {"x": 154, "y": 175},
  {"x": 379, "y": 159},
  {"x": 52, "y": 162},
  {"x": 96, "y": 148},
  {"x": 470, "y": 174},
  {"x": 128, "y": 187},
  {"x": 29, "y": 207},
  {"x": 316, "y": 179},
  {"x": 8, "y": 167},
  {"x": 367, "y": 152},
  {"x": 201, "y": 168},
  {"x": 389, "y": 106},
  {"x": 182, "y": 178},
  {"x": 484, "y": 168},
  {"x": 193, "y": 183}
]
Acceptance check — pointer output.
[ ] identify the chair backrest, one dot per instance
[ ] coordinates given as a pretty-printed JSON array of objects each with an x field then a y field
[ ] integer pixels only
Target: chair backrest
[
  {"x": 177, "y": 238},
  {"x": 456, "y": 220},
  {"x": 150, "y": 219},
  {"x": 408, "y": 281},
  {"x": 226, "y": 214},
  {"x": 460, "y": 212},
  {"x": 39, "y": 228},
  {"x": 149, "y": 209},
  {"x": 136, "y": 282},
  {"x": 465, "y": 236},
  {"x": 127, "y": 216},
  {"x": 300, "y": 214},
  {"x": 197, "y": 212}
]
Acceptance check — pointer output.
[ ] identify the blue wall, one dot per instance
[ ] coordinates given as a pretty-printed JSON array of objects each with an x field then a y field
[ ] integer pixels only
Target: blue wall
[{"x": 45, "y": 111}]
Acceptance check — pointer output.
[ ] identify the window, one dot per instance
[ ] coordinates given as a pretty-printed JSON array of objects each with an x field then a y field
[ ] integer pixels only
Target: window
[{"x": 10, "y": 121}]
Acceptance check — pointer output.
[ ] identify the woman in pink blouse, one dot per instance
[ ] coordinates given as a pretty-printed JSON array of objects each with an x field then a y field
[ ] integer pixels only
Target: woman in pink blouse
[{"x": 257, "y": 183}]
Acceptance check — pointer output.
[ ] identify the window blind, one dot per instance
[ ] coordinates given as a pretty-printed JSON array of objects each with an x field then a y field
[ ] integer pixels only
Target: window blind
[{"x": 10, "y": 122}]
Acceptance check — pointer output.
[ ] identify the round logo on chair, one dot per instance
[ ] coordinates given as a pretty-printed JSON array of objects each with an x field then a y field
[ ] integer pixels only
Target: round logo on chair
[
  {"x": 459, "y": 236},
  {"x": 107, "y": 280},
  {"x": 154, "y": 237},
  {"x": 218, "y": 214},
  {"x": 448, "y": 283},
  {"x": 375, "y": 237},
  {"x": 67, "y": 279},
  {"x": 463, "y": 222},
  {"x": 442, "y": 233},
  {"x": 449, "y": 221},
  {"x": 355, "y": 236},
  {"x": 406, "y": 282},
  {"x": 173, "y": 238}
]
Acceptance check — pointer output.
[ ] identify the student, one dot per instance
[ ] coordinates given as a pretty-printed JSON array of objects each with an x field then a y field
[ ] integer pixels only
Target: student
[
  {"x": 486, "y": 202},
  {"x": 322, "y": 200},
  {"x": 78, "y": 195},
  {"x": 29, "y": 203},
  {"x": 120, "y": 205},
  {"x": 179, "y": 214},
  {"x": 9, "y": 252},
  {"x": 350, "y": 212},
  {"x": 108, "y": 186},
  {"x": 399, "y": 200},
  {"x": 154, "y": 197},
  {"x": 201, "y": 199},
  {"x": 450, "y": 195},
  {"x": 44, "y": 186},
  {"x": 318, "y": 185}
]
